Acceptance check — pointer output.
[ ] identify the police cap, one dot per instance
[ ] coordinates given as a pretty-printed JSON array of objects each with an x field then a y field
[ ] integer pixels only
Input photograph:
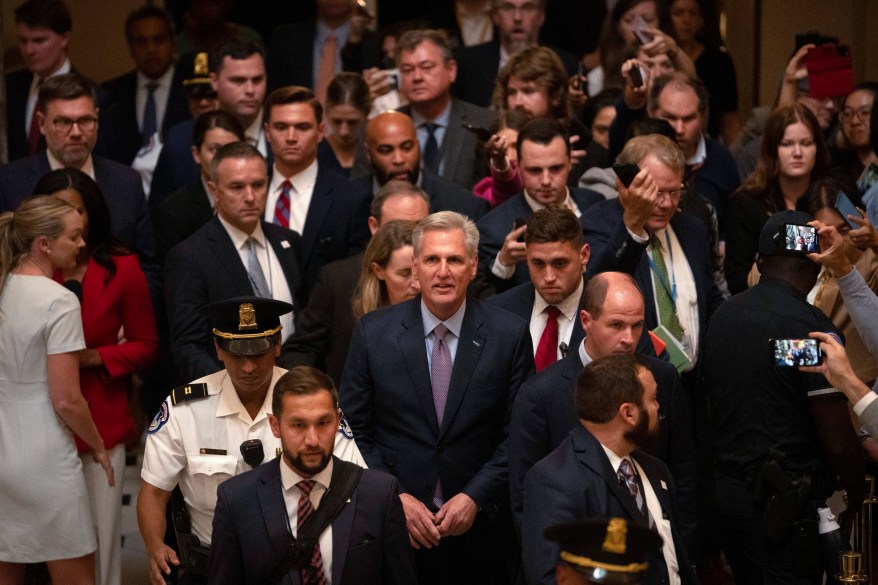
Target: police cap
[
  {"x": 605, "y": 551},
  {"x": 246, "y": 325},
  {"x": 197, "y": 80}
]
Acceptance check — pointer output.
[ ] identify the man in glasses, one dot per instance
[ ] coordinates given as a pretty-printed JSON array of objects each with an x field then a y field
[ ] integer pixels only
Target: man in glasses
[{"x": 68, "y": 121}]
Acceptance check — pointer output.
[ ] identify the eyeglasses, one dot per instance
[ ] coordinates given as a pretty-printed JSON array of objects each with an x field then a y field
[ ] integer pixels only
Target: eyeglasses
[
  {"x": 85, "y": 123},
  {"x": 674, "y": 194},
  {"x": 863, "y": 114},
  {"x": 508, "y": 8}
]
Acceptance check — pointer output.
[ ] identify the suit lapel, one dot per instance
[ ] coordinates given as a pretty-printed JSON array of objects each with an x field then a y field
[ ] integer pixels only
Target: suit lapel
[
  {"x": 321, "y": 202},
  {"x": 342, "y": 532},
  {"x": 412, "y": 347},
  {"x": 469, "y": 349},
  {"x": 222, "y": 247},
  {"x": 284, "y": 246},
  {"x": 572, "y": 367},
  {"x": 657, "y": 481},
  {"x": 269, "y": 494},
  {"x": 591, "y": 454}
]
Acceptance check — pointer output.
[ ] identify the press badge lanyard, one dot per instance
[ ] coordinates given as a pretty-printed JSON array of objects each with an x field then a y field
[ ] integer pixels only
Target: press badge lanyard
[{"x": 672, "y": 289}]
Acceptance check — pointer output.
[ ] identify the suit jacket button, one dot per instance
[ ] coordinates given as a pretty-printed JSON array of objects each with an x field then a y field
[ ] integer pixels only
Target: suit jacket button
[{"x": 440, "y": 448}]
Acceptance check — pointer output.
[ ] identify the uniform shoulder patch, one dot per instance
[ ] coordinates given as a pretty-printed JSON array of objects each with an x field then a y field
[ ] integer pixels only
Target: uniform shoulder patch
[
  {"x": 188, "y": 392},
  {"x": 343, "y": 427},
  {"x": 160, "y": 419}
]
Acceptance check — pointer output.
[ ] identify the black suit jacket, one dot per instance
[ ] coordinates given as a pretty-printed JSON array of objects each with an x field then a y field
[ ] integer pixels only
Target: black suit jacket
[
  {"x": 204, "y": 268},
  {"x": 122, "y": 188},
  {"x": 494, "y": 227},
  {"x": 251, "y": 532},
  {"x": 576, "y": 481},
  {"x": 462, "y": 154},
  {"x": 387, "y": 396},
  {"x": 544, "y": 413},
  {"x": 17, "y": 91},
  {"x": 444, "y": 195},
  {"x": 120, "y": 137},
  {"x": 180, "y": 215}
]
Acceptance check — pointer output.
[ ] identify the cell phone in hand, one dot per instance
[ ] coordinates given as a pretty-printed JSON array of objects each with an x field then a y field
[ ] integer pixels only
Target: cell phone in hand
[
  {"x": 641, "y": 31},
  {"x": 799, "y": 238},
  {"x": 482, "y": 134},
  {"x": 786, "y": 353},
  {"x": 636, "y": 75},
  {"x": 626, "y": 172},
  {"x": 517, "y": 223},
  {"x": 846, "y": 207}
]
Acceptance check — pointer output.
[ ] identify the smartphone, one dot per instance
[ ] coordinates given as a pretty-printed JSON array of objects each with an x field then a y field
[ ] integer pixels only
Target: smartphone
[
  {"x": 636, "y": 74},
  {"x": 795, "y": 352},
  {"x": 393, "y": 75},
  {"x": 481, "y": 133},
  {"x": 640, "y": 31},
  {"x": 800, "y": 238},
  {"x": 626, "y": 172},
  {"x": 580, "y": 80},
  {"x": 830, "y": 71},
  {"x": 517, "y": 223},
  {"x": 846, "y": 207}
]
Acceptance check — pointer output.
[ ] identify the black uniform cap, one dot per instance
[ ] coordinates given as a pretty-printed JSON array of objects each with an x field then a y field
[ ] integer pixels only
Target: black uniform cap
[
  {"x": 246, "y": 325},
  {"x": 771, "y": 242},
  {"x": 197, "y": 80},
  {"x": 605, "y": 551}
]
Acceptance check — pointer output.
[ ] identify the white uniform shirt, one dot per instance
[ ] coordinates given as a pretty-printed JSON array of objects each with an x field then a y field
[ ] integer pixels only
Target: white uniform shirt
[{"x": 197, "y": 444}]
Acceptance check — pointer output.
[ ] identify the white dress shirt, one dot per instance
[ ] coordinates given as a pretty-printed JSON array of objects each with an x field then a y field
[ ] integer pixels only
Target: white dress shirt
[
  {"x": 255, "y": 135},
  {"x": 161, "y": 95},
  {"x": 289, "y": 478},
  {"x": 300, "y": 195},
  {"x": 567, "y": 320}
]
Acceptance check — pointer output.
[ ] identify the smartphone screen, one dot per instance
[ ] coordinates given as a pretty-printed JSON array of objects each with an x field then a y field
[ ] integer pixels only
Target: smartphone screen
[
  {"x": 846, "y": 207},
  {"x": 795, "y": 352},
  {"x": 800, "y": 238}
]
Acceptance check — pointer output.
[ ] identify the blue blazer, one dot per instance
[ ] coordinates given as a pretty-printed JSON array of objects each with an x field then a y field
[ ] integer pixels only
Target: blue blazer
[
  {"x": 206, "y": 267},
  {"x": 576, "y": 481},
  {"x": 387, "y": 396},
  {"x": 251, "y": 532},
  {"x": 494, "y": 227}
]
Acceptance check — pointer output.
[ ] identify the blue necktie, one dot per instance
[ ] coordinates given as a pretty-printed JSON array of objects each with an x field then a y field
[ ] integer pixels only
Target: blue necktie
[
  {"x": 150, "y": 124},
  {"x": 431, "y": 148}
]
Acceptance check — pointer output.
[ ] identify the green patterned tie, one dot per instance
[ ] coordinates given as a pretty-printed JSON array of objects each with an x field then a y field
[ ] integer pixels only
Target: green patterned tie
[{"x": 667, "y": 309}]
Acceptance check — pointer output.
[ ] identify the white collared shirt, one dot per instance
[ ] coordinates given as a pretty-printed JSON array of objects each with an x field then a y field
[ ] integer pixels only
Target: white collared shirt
[
  {"x": 300, "y": 195},
  {"x": 278, "y": 286},
  {"x": 289, "y": 478},
  {"x": 34, "y": 91},
  {"x": 255, "y": 135},
  {"x": 567, "y": 320},
  {"x": 161, "y": 95},
  {"x": 700, "y": 152},
  {"x": 88, "y": 167}
]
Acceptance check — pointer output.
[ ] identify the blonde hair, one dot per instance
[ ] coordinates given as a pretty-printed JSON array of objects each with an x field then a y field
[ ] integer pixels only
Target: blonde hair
[
  {"x": 35, "y": 217},
  {"x": 371, "y": 292}
]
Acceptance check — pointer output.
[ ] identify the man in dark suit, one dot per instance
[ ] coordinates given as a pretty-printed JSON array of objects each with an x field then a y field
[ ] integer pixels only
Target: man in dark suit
[
  {"x": 234, "y": 254},
  {"x": 544, "y": 413},
  {"x": 428, "y": 387},
  {"x": 365, "y": 542},
  {"x": 552, "y": 300},
  {"x": 544, "y": 159},
  {"x": 303, "y": 195},
  {"x": 324, "y": 327},
  {"x": 394, "y": 153},
  {"x": 598, "y": 470},
  {"x": 296, "y": 50},
  {"x": 667, "y": 252},
  {"x": 149, "y": 99},
  {"x": 68, "y": 120},
  {"x": 427, "y": 69},
  {"x": 43, "y": 29},
  {"x": 518, "y": 24}
]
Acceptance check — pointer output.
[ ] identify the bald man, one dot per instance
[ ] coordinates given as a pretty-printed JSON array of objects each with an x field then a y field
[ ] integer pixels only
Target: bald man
[{"x": 393, "y": 152}]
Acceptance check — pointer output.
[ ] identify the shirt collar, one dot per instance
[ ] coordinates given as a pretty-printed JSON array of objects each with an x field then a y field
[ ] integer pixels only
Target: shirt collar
[
  {"x": 615, "y": 460},
  {"x": 583, "y": 355},
  {"x": 163, "y": 81},
  {"x": 302, "y": 181},
  {"x": 454, "y": 323},
  {"x": 239, "y": 238},
  {"x": 230, "y": 403},
  {"x": 289, "y": 477},
  {"x": 88, "y": 167},
  {"x": 65, "y": 67},
  {"x": 253, "y": 133},
  {"x": 700, "y": 152},
  {"x": 341, "y": 33},
  {"x": 210, "y": 198},
  {"x": 568, "y": 202},
  {"x": 568, "y": 307},
  {"x": 441, "y": 119}
]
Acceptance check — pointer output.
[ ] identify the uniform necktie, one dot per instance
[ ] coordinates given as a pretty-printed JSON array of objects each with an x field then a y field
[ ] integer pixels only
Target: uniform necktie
[
  {"x": 667, "y": 307},
  {"x": 254, "y": 271},
  {"x": 150, "y": 117},
  {"x": 431, "y": 148},
  {"x": 282, "y": 209},
  {"x": 33, "y": 134},
  {"x": 313, "y": 574},
  {"x": 547, "y": 348},
  {"x": 440, "y": 378},
  {"x": 327, "y": 66}
]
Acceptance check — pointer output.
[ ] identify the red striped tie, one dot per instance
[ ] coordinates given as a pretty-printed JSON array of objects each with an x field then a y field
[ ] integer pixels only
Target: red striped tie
[
  {"x": 312, "y": 575},
  {"x": 282, "y": 209}
]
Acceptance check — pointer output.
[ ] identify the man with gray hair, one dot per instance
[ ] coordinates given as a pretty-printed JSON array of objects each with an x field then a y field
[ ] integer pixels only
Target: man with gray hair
[{"x": 428, "y": 387}]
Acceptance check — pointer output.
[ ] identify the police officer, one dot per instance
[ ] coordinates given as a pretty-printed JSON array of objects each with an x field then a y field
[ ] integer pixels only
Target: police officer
[
  {"x": 783, "y": 439},
  {"x": 214, "y": 428},
  {"x": 606, "y": 552}
]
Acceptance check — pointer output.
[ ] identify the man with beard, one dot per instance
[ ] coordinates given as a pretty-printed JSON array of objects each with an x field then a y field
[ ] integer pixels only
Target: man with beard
[
  {"x": 350, "y": 507},
  {"x": 394, "y": 153},
  {"x": 599, "y": 471}
]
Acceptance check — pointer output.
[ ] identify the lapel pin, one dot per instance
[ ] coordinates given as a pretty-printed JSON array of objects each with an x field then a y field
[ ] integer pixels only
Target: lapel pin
[
  {"x": 476, "y": 343},
  {"x": 284, "y": 244},
  {"x": 664, "y": 485}
]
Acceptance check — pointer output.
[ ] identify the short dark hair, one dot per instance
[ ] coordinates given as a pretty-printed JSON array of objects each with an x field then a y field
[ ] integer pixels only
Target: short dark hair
[
  {"x": 236, "y": 150},
  {"x": 233, "y": 48},
  {"x": 553, "y": 224},
  {"x": 50, "y": 14},
  {"x": 787, "y": 267},
  {"x": 301, "y": 381},
  {"x": 392, "y": 189},
  {"x": 605, "y": 384},
  {"x": 293, "y": 94},
  {"x": 680, "y": 81},
  {"x": 144, "y": 12},
  {"x": 70, "y": 86},
  {"x": 595, "y": 292},
  {"x": 215, "y": 119},
  {"x": 542, "y": 131}
]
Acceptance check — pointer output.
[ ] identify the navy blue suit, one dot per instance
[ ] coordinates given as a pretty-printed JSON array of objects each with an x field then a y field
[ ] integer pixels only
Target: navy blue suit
[
  {"x": 544, "y": 413},
  {"x": 17, "y": 91},
  {"x": 204, "y": 268},
  {"x": 576, "y": 481},
  {"x": 387, "y": 396},
  {"x": 251, "y": 533},
  {"x": 494, "y": 227}
]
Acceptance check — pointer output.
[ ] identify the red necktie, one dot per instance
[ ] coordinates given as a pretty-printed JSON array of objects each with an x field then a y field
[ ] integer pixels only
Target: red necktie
[
  {"x": 547, "y": 349},
  {"x": 282, "y": 209},
  {"x": 312, "y": 575}
]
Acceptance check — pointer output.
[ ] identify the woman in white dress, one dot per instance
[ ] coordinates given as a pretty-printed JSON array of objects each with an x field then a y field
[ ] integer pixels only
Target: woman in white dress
[{"x": 44, "y": 509}]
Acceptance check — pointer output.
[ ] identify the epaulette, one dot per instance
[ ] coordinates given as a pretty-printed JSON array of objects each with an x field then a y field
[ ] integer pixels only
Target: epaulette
[{"x": 188, "y": 392}]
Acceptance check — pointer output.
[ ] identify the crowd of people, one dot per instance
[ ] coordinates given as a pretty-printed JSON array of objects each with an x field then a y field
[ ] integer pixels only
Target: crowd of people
[{"x": 449, "y": 295}]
